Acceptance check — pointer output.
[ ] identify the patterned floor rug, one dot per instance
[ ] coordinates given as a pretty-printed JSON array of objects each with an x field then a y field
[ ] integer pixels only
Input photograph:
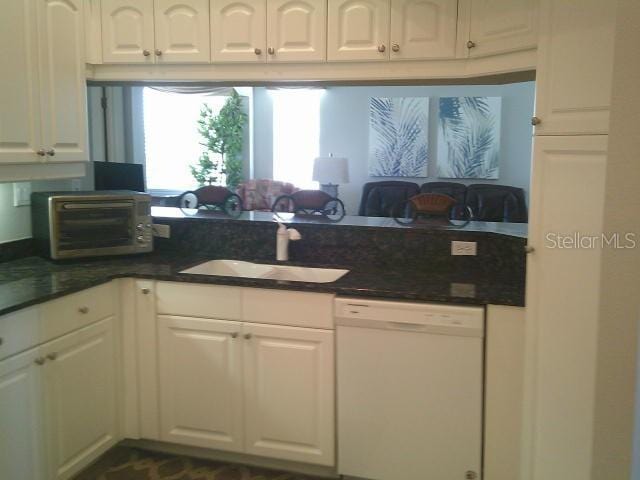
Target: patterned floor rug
[{"x": 125, "y": 463}]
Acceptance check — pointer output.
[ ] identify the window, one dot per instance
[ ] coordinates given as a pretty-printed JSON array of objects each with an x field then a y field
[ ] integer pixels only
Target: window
[
  {"x": 172, "y": 141},
  {"x": 296, "y": 135}
]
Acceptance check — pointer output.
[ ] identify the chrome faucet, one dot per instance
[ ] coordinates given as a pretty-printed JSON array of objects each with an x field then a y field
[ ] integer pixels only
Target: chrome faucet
[{"x": 283, "y": 236}]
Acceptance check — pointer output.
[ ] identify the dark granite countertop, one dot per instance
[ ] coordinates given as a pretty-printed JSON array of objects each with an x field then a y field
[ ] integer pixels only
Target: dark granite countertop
[{"x": 33, "y": 280}]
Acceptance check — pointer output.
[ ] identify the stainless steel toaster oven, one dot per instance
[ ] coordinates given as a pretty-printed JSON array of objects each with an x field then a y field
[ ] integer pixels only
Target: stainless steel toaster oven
[{"x": 88, "y": 224}]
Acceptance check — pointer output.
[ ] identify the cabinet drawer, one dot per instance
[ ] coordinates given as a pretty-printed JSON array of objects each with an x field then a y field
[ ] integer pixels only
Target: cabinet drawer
[
  {"x": 299, "y": 309},
  {"x": 77, "y": 310},
  {"x": 193, "y": 300},
  {"x": 18, "y": 331}
]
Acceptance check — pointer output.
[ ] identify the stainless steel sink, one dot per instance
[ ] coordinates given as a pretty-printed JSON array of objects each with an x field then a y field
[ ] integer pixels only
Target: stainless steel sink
[{"x": 237, "y": 268}]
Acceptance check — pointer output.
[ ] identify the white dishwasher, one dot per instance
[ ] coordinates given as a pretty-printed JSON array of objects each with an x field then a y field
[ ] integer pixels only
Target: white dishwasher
[{"x": 410, "y": 379}]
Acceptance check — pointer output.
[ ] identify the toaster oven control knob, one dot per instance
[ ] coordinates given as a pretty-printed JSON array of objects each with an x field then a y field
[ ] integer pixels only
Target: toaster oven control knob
[
  {"x": 139, "y": 226},
  {"x": 140, "y": 239}
]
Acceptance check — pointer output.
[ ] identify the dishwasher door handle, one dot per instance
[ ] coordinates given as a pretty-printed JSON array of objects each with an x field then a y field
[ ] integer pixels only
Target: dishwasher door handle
[{"x": 406, "y": 326}]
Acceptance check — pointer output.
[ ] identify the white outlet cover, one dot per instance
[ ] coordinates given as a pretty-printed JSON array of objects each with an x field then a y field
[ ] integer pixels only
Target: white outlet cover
[
  {"x": 464, "y": 248},
  {"x": 21, "y": 194}
]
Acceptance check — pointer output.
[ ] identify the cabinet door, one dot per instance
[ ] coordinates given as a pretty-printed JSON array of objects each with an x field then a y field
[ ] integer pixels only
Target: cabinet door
[
  {"x": 20, "y": 136},
  {"x": 182, "y": 31},
  {"x": 289, "y": 393},
  {"x": 296, "y": 30},
  {"x": 238, "y": 30},
  {"x": 573, "y": 97},
  {"x": 80, "y": 393},
  {"x": 21, "y": 433},
  {"x": 423, "y": 29},
  {"x": 63, "y": 84},
  {"x": 127, "y": 31},
  {"x": 499, "y": 26},
  {"x": 200, "y": 372},
  {"x": 358, "y": 30},
  {"x": 567, "y": 199}
]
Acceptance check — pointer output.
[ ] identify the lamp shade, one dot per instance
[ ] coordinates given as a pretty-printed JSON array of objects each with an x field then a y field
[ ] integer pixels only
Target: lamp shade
[{"x": 327, "y": 170}]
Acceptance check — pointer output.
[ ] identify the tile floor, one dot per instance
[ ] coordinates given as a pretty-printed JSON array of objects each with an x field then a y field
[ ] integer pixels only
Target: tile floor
[{"x": 127, "y": 463}]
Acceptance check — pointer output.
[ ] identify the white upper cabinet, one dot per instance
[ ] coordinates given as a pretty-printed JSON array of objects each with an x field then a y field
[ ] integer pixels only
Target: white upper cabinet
[
  {"x": 358, "y": 30},
  {"x": 422, "y": 29},
  {"x": 499, "y": 26},
  {"x": 80, "y": 397},
  {"x": 289, "y": 399},
  {"x": 182, "y": 31},
  {"x": 297, "y": 30},
  {"x": 127, "y": 31},
  {"x": 573, "y": 97},
  {"x": 238, "y": 30},
  {"x": 200, "y": 375},
  {"x": 62, "y": 75},
  {"x": 20, "y": 136}
]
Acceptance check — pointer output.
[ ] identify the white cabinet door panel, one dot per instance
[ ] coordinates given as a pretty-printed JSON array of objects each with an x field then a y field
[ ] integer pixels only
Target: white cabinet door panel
[
  {"x": 296, "y": 30},
  {"x": 238, "y": 30},
  {"x": 64, "y": 91},
  {"x": 289, "y": 402},
  {"x": 21, "y": 432},
  {"x": 499, "y": 26},
  {"x": 358, "y": 30},
  {"x": 200, "y": 373},
  {"x": 127, "y": 31},
  {"x": 567, "y": 198},
  {"x": 182, "y": 31},
  {"x": 20, "y": 135},
  {"x": 575, "y": 65},
  {"x": 80, "y": 393},
  {"x": 423, "y": 29}
]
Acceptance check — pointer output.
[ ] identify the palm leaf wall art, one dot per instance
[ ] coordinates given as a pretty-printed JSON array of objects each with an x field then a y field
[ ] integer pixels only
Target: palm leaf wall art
[
  {"x": 469, "y": 137},
  {"x": 398, "y": 141}
]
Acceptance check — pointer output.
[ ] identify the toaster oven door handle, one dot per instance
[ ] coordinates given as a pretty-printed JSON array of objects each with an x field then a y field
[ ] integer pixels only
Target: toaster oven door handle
[{"x": 87, "y": 206}]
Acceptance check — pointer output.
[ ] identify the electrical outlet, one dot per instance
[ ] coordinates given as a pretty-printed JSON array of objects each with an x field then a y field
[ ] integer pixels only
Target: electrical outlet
[
  {"x": 21, "y": 194},
  {"x": 76, "y": 184},
  {"x": 464, "y": 248},
  {"x": 162, "y": 231}
]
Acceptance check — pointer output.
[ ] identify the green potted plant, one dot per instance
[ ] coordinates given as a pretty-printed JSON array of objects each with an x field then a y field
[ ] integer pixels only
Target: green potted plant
[{"x": 222, "y": 134}]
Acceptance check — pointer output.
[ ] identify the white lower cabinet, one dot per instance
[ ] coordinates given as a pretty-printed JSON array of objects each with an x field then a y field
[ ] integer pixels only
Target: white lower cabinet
[
  {"x": 62, "y": 402},
  {"x": 200, "y": 370},
  {"x": 21, "y": 408},
  {"x": 250, "y": 388},
  {"x": 80, "y": 397},
  {"x": 289, "y": 393}
]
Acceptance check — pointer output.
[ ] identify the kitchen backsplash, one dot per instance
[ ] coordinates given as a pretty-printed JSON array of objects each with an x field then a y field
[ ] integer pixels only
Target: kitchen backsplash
[{"x": 368, "y": 249}]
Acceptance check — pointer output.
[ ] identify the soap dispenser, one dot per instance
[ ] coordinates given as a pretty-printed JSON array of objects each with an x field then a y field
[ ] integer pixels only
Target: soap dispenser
[{"x": 283, "y": 235}]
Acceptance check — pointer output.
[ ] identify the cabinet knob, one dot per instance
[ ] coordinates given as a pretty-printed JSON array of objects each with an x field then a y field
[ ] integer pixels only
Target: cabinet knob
[
  {"x": 535, "y": 121},
  {"x": 51, "y": 152},
  {"x": 52, "y": 356},
  {"x": 146, "y": 53},
  {"x": 470, "y": 475},
  {"x": 471, "y": 44},
  {"x": 529, "y": 249},
  {"x": 257, "y": 51},
  {"x": 83, "y": 310},
  {"x": 271, "y": 51},
  {"x": 40, "y": 360},
  {"x": 234, "y": 335},
  {"x": 158, "y": 52},
  {"x": 382, "y": 48},
  {"x": 247, "y": 336},
  {"x": 395, "y": 47},
  {"x": 145, "y": 291},
  {"x": 41, "y": 152}
]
